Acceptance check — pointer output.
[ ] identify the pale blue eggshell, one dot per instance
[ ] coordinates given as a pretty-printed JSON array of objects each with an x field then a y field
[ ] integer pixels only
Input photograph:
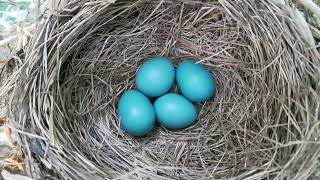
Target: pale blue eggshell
[
  {"x": 136, "y": 113},
  {"x": 174, "y": 111},
  {"x": 195, "y": 82},
  {"x": 155, "y": 76}
]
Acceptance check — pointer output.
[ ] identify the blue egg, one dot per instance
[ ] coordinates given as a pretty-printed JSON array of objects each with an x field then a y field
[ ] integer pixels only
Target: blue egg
[
  {"x": 137, "y": 115},
  {"x": 174, "y": 111},
  {"x": 195, "y": 82},
  {"x": 155, "y": 76}
]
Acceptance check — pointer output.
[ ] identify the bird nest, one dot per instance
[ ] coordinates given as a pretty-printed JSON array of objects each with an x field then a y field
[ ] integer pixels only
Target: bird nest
[{"x": 262, "y": 122}]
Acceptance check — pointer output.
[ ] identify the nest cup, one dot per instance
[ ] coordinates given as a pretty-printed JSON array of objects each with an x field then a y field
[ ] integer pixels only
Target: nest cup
[{"x": 262, "y": 122}]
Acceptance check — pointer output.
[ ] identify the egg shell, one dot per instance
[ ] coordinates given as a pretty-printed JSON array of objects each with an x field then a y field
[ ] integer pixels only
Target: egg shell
[
  {"x": 155, "y": 76},
  {"x": 136, "y": 113},
  {"x": 194, "y": 81},
  {"x": 174, "y": 111}
]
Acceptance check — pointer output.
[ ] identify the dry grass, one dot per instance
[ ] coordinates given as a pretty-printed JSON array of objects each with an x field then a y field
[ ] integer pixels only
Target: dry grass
[{"x": 262, "y": 123}]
